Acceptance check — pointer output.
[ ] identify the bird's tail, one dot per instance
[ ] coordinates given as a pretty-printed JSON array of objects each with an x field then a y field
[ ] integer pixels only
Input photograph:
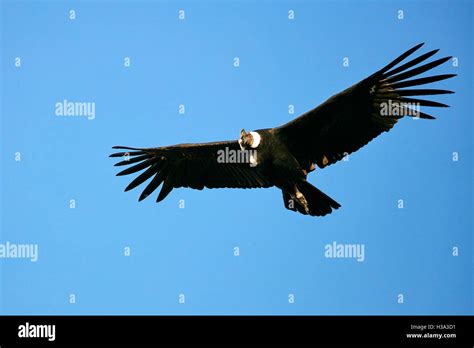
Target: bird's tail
[{"x": 319, "y": 203}]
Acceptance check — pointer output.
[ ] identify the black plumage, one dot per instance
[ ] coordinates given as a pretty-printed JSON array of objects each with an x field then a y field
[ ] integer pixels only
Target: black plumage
[{"x": 283, "y": 156}]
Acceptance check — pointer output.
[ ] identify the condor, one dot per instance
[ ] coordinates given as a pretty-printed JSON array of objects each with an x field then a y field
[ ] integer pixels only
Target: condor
[{"x": 283, "y": 156}]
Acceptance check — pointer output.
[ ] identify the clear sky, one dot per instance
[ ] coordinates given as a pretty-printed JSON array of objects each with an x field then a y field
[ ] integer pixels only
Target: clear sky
[{"x": 60, "y": 192}]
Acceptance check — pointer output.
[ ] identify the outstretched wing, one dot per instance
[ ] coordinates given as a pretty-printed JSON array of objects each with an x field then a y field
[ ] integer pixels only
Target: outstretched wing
[
  {"x": 349, "y": 120},
  {"x": 196, "y": 166}
]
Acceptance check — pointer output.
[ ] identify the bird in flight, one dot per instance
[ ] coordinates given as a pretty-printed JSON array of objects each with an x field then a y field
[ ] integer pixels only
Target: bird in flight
[{"x": 283, "y": 156}]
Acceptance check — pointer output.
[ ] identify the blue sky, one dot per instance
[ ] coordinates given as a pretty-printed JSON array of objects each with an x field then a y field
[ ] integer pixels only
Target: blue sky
[{"x": 190, "y": 251}]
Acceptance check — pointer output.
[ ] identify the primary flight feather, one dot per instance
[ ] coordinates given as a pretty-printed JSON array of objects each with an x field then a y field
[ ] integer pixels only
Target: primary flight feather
[{"x": 283, "y": 156}]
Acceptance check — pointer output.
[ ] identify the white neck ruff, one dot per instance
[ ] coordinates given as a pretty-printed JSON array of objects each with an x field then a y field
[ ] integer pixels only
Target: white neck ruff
[{"x": 256, "y": 140}]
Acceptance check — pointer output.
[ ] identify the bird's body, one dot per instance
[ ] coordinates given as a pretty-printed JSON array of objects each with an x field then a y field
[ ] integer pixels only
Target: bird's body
[
  {"x": 283, "y": 156},
  {"x": 279, "y": 165}
]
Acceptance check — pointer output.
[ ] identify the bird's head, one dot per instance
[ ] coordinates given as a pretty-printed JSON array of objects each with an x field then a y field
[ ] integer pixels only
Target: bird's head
[
  {"x": 249, "y": 140},
  {"x": 245, "y": 140}
]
